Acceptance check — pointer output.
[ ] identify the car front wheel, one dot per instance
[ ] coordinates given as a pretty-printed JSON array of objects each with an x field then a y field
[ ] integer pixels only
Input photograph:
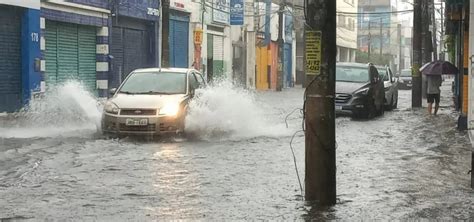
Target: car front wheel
[{"x": 369, "y": 113}]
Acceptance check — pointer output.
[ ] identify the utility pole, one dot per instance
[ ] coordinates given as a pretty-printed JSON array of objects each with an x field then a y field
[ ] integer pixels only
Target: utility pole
[
  {"x": 427, "y": 41},
  {"x": 416, "y": 60},
  {"x": 320, "y": 133},
  {"x": 434, "y": 32},
  {"x": 399, "y": 35},
  {"x": 280, "y": 46},
  {"x": 441, "y": 40},
  {"x": 381, "y": 37},
  {"x": 369, "y": 45}
]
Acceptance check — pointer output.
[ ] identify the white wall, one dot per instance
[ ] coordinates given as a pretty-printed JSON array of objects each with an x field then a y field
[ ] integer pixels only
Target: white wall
[
  {"x": 345, "y": 37},
  {"x": 34, "y": 4}
]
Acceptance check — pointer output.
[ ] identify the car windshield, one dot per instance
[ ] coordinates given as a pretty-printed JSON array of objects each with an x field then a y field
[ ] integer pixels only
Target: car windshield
[
  {"x": 155, "y": 83},
  {"x": 406, "y": 73},
  {"x": 352, "y": 74}
]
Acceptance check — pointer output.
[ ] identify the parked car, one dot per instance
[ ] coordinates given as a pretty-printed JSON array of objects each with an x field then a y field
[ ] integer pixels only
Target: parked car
[
  {"x": 405, "y": 79},
  {"x": 151, "y": 102},
  {"x": 359, "y": 90},
  {"x": 390, "y": 83}
]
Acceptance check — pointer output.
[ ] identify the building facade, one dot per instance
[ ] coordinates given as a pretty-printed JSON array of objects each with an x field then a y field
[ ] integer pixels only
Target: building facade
[
  {"x": 346, "y": 32},
  {"x": 99, "y": 42},
  {"x": 375, "y": 30},
  {"x": 20, "y": 72},
  {"x": 267, "y": 53}
]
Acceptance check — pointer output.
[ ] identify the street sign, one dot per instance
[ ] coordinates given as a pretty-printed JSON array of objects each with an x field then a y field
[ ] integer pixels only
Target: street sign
[
  {"x": 236, "y": 12},
  {"x": 313, "y": 52},
  {"x": 220, "y": 12}
]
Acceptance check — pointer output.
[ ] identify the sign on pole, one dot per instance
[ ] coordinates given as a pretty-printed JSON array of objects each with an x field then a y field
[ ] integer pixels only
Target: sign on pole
[
  {"x": 198, "y": 36},
  {"x": 313, "y": 52}
]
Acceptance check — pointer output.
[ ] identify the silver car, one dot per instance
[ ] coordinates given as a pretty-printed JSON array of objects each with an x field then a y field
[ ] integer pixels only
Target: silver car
[
  {"x": 151, "y": 102},
  {"x": 405, "y": 79},
  {"x": 390, "y": 82}
]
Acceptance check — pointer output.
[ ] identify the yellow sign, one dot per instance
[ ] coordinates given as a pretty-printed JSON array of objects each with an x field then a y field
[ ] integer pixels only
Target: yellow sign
[
  {"x": 198, "y": 36},
  {"x": 313, "y": 52}
]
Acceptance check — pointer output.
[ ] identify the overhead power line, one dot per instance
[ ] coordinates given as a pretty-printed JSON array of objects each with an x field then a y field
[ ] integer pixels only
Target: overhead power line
[{"x": 373, "y": 13}]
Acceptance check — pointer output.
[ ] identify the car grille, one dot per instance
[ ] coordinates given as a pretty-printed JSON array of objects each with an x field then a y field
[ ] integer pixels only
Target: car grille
[
  {"x": 138, "y": 112},
  {"x": 149, "y": 127},
  {"x": 342, "y": 97}
]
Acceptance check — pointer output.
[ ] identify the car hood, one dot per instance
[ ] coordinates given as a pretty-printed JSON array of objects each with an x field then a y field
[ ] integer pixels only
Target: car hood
[
  {"x": 126, "y": 101},
  {"x": 349, "y": 87}
]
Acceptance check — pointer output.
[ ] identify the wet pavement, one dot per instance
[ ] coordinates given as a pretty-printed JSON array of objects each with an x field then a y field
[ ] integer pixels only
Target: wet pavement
[{"x": 403, "y": 165}]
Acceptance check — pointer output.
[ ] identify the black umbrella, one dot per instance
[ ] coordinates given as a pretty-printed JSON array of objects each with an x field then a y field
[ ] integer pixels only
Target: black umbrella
[{"x": 439, "y": 68}]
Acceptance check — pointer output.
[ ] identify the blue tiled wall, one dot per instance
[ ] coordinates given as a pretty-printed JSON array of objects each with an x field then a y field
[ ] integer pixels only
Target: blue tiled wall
[
  {"x": 138, "y": 8},
  {"x": 96, "y": 3},
  {"x": 73, "y": 18}
]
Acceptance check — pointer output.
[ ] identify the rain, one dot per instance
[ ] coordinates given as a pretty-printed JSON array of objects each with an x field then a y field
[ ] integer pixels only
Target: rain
[{"x": 199, "y": 110}]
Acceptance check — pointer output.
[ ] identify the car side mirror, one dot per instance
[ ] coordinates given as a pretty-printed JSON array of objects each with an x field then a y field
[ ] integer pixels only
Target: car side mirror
[{"x": 113, "y": 91}]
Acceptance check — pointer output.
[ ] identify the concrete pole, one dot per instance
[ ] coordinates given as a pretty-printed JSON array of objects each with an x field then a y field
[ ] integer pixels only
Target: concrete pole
[
  {"x": 369, "y": 45},
  {"x": 416, "y": 60},
  {"x": 280, "y": 47},
  {"x": 441, "y": 40},
  {"x": 434, "y": 33},
  {"x": 320, "y": 133},
  {"x": 399, "y": 35},
  {"x": 381, "y": 37}
]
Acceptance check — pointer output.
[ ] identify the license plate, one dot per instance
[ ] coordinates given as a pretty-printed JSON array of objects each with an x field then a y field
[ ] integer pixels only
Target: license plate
[
  {"x": 338, "y": 107},
  {"x": 136, "y": 122}
]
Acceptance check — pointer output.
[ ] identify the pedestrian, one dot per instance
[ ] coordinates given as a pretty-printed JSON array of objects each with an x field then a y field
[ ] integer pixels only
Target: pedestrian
[{"x": 433, "y": 82}]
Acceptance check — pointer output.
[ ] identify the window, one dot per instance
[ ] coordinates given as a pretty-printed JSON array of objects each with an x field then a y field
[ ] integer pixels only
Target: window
[
  {"x": 352, "y": 74},
  {"x": 199, "y": 79},
  {"x": 350, "y": 24},
  {"x": 193, "y": 83},
  {"x": 351, "y": 2},
  {"x": 342, "y": 21},
  {"x": 154, "y": 83}
]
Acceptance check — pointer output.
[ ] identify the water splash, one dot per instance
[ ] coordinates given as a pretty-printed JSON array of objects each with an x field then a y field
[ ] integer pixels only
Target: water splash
[
  {"x": 224, "y": 111},
  {"x": 65, "y": 110}
]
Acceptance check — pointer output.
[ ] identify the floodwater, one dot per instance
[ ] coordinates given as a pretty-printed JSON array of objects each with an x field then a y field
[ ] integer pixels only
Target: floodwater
[{"x": 404, "y": 165}]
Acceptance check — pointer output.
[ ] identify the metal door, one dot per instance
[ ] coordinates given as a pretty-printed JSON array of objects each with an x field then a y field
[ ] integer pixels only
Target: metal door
[
  {"x": 10, "y": 60},
  {"x": 179, "y": 43},
  {"x": 70, "y": 54}
]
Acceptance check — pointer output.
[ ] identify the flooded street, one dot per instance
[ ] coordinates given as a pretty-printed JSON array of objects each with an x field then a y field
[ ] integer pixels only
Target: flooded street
[{"x": 402, "y": 165}]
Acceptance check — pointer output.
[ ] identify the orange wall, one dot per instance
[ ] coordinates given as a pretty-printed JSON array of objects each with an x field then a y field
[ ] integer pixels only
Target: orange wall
[{"x": 262, "y": 61}]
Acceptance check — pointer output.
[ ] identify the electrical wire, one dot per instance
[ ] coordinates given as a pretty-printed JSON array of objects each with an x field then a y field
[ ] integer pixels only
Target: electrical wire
[
  {"x": 286, "y": 118},
  {"x": 228, "y": 7},
  {"x": 373, "y": 13},
  {"x": 294, "y": 160}
]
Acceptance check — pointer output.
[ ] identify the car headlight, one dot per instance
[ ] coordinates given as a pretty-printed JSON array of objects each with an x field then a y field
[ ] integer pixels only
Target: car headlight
[
  {"x": 362, "y": 92},
  {"x": 171, "y": 109},
  {"x": 110, "y": 107}
]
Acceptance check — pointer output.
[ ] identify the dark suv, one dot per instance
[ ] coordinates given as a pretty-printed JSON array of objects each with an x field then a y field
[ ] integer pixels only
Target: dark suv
[{"x": 359, "y": 90}]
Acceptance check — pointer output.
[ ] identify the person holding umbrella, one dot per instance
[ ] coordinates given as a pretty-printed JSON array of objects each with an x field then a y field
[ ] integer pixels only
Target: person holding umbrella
[
  {"x": 433, "y": 72},
  {"x": 433, "y": 82}
]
